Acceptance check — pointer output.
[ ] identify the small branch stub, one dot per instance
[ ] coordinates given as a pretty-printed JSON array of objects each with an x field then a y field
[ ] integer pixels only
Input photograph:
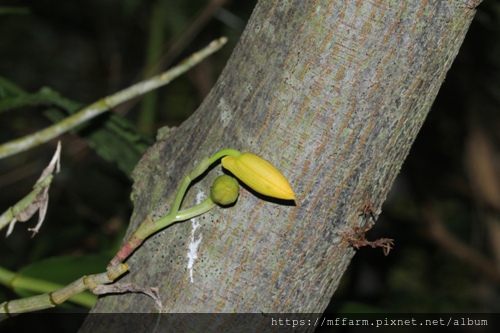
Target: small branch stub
[{"x": 357, "y": 238}]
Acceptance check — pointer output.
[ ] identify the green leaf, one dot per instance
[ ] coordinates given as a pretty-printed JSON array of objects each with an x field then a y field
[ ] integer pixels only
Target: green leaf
[{"x": 66, "y": 269}]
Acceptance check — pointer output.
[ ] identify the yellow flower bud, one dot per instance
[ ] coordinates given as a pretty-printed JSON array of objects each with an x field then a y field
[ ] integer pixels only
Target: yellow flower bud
[
  {"x": 260, "y": 175},
  {"x": 224, "y": 190}
]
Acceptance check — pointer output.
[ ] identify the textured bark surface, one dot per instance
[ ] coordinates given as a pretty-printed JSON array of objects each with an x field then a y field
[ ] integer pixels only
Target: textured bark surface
[{"x": 333, "y": 93}]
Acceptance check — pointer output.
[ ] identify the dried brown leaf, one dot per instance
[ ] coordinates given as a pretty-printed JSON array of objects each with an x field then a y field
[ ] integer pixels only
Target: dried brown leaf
[{"x": 39, "y": 197}]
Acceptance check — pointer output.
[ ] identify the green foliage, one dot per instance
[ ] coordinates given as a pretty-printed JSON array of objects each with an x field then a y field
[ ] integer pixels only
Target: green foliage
[
  {"x": 113, "y": 137},
  {"x": 65, "y": 269},
  {"x": 90, "y": 50}
]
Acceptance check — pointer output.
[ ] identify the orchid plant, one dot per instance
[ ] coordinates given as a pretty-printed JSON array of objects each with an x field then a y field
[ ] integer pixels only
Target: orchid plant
[{"x": 252, "y": 170}]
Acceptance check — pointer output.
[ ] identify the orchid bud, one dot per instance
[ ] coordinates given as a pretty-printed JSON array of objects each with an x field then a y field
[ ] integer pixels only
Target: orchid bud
[
  {"x": 260, "y": 175},
  {"x": 224, "y": 190}
]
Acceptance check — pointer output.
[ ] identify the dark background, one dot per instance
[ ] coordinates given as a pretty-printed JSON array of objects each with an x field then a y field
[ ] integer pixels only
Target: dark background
[{"x": 443, "y": 211}]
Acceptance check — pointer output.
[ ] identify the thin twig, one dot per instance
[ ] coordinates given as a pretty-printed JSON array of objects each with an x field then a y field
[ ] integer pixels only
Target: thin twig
[
  {"x": 106, "y": 103},
  {"x": 188, "y": 34},
  {"x": 191, "y": 31},
  {"x": 440, "y": 235}
]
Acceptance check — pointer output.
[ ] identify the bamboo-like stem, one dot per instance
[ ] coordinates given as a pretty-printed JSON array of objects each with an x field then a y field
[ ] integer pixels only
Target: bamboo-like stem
[
  {"x": 106, "y": 103},
  {"x": 116, "y": 267},
  {"x": 14, "y": 280},
  {"x": 52, "y": 299},
  {"x": 146, "y": 229}
]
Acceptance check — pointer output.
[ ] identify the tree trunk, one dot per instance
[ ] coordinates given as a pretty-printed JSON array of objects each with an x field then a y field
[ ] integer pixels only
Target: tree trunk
[{"x": 333, "y": 93}]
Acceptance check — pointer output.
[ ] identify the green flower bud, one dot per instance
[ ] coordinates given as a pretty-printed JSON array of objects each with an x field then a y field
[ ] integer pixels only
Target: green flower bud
[{"x": 225, "y": 190}]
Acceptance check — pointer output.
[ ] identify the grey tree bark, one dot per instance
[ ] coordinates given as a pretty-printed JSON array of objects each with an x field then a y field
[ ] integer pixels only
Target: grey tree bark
[{"x": 333, "y": 93}]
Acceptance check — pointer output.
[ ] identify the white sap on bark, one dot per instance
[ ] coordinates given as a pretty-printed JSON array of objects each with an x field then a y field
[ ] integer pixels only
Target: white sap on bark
[{"x": 194, "y": 242}]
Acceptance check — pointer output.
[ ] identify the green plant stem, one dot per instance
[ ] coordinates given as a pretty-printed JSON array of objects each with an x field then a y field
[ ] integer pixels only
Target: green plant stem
[
  {"x": 116, "y": 268},
  {"x": 224, "y": 152},
  {"x": 187, "y": 214},
  {"x": 149, "y": 227},
  {"x": 54, "y": 298},
  {"x": 106, "y": 103},
  {"x": 181, "y": 192},
  {"x": 18, "y": 281},
  {"x": 145, "y": 229}
]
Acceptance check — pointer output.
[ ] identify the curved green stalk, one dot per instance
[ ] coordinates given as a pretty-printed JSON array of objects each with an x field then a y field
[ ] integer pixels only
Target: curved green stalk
[
  {"x": 181, "y": 192},
  {"x": 256, "y": 170},
  {"x": 149, "y": 227},
  {"x": 197, "y": 210},
  {"x": 187, "y": 214},
  {"x": 224, "y": 152}
]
